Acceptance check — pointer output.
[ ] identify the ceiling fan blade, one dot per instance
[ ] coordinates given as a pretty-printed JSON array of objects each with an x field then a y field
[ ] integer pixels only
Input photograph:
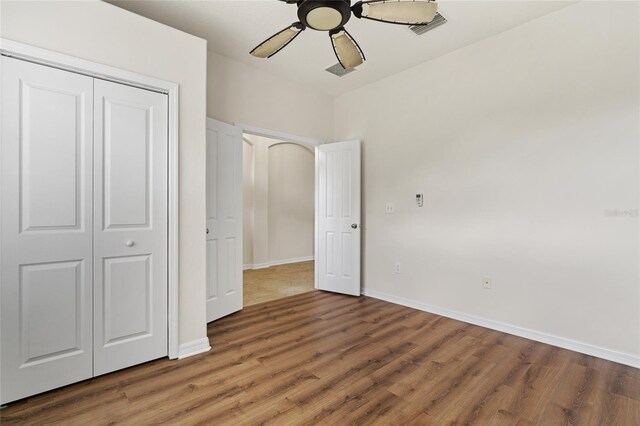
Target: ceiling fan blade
[
  {"x": 346, "y": 49},
  {"x": 276, "y": 42},
  {"x": 406, "y": 12}
]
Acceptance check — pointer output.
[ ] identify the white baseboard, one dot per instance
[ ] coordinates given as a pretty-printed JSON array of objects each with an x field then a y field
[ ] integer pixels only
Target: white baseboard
[
  {"x": 277, "y": 262},
  {"x": 193, "y": 347},
  {"x": 585, "y": 348}
]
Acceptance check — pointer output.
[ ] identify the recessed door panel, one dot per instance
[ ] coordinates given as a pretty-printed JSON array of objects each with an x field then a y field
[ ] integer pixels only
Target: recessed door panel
[
  {"x": 227, "y": 148},
  {"x": 51, "y": 166},
  {"x": 212, "y": 269},
  {"x": 46, "y": 192},
  {"x": 347, "y": 184},
  {"x": 330, "y": 173},
  {"x": 127, "y": 298},
  {"x": 231, "y": 266},
  {"x": 130, "y": 232},
  {"x": 212, "y": 174},
  {"x": 330, "y": 253},
  {"x": 346, "y": 250},
  {"x": 126, "y": 163},
  {"x": 51, "y": 306}
]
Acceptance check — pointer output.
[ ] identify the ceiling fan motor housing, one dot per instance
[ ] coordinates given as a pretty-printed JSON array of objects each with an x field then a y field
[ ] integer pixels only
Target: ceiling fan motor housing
[{"x": 324, "y": 15}]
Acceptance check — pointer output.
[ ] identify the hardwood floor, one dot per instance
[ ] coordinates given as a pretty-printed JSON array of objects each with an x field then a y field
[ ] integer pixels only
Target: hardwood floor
[
  {"x": 276, "y": 282},
  {"x": 321, "y": 358}
]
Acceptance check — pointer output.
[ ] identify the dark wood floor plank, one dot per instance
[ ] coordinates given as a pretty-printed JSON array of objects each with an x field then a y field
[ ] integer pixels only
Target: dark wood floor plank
[{"x": 321, "y": 358}]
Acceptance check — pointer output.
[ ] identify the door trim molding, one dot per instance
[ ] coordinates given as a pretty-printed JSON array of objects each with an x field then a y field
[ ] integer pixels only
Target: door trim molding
[
  {"x": 273, "y": 134},
  {"x": 312, "y": 144},
  {"x": 64, "y": 62}
]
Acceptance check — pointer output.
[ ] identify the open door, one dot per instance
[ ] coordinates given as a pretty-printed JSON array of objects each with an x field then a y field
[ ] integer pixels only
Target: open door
[
  {"x": 224, "y": 219},
  {"x": 338, "y": 216}
]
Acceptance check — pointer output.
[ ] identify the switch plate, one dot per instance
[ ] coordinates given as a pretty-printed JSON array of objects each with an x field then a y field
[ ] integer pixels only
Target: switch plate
[
  {"x": 486, "y": 283},
  {"x": 390, "y": 208}
]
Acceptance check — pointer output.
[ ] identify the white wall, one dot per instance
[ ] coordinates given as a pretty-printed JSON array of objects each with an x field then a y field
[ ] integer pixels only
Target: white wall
[
  {"x": 240, "y": 93},
  {"x": 279, "y": 216},
  {"x": 106, "y": 34},
  {"x": 521, "y": 143}
]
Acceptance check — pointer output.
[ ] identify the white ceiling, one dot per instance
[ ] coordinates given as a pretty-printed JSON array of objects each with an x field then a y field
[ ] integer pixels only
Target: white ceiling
[{"x": 234, "y": 27}]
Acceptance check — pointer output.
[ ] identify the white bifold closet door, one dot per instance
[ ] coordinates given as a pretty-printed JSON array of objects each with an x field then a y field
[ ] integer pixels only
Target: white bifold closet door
[
  {"x": 83, "y": 228},
  {"x": 130, "y": 226},
  {"x": 47, "y": 228}
]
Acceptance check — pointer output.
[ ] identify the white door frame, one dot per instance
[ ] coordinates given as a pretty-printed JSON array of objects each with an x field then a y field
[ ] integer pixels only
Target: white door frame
[
  {"x": 70, "y": 63},
  {"x": 308, "y": 142}
]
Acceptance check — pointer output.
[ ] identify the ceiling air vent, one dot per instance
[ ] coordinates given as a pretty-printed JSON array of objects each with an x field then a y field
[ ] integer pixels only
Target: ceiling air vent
[
  {"x": 421, "y": 29},
  {"x": 338, "y": 70}
]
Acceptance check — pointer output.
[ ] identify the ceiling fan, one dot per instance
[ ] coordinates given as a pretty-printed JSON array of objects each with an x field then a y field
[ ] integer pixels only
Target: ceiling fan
[{"x": 332, "y": 15}]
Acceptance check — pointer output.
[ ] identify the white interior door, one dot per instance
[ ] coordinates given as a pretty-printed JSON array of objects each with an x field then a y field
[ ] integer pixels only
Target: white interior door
[
  {"x": 46, "y": 196},
  {"x": 224, "y": 219},
  {"x": 338, "y": 211},
  {"x": 130, "y": 225}
]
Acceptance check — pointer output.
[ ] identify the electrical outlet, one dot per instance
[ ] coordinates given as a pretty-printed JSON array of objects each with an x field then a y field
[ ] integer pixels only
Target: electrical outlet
[
  {"x": 390, "y": 208},
  {"x": 486, "y": 282},
  {"x": 397, "y": 267}
]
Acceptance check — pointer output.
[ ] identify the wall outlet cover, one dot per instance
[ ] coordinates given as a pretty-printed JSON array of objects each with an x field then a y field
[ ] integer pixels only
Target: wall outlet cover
[{"x": 486, "y": 282}]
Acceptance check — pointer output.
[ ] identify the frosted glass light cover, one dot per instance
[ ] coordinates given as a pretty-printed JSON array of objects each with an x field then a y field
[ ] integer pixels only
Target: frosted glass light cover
[{"x": 324, "y": 18}]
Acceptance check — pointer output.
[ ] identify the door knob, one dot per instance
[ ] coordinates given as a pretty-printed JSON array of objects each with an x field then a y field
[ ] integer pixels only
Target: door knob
[
  {"x": 129, "y": 243},
  {"x": 354, "y": 225}
]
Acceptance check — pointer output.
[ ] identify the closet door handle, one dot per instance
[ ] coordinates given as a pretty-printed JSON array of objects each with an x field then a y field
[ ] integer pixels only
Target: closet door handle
[{"x": 129, "y": 243}]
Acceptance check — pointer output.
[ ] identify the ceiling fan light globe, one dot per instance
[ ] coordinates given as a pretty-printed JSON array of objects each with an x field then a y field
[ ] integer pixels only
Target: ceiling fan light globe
[{"x": 324, "y": 18}]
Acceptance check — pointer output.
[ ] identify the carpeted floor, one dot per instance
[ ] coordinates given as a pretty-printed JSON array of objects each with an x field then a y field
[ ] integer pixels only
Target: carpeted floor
[{"x": 276, "y": 282}]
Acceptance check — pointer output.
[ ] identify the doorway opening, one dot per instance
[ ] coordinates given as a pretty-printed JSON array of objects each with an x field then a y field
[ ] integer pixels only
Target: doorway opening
[{"x": 278, "y": 218}]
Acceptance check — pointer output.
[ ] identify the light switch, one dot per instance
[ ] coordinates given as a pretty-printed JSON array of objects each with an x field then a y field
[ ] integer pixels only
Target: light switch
[
  {"x": 419, "y": 200},
  {"x": 389, "y": 208}
]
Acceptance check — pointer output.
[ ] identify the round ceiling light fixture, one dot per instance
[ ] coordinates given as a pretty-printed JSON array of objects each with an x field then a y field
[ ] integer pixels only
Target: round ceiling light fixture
[{"x": 324, "y": 15}]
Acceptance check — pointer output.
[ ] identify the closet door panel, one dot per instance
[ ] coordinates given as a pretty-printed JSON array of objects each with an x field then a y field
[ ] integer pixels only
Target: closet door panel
[
  {"x": 130, "y": 241},
  {"x": 46, "y": 199}
]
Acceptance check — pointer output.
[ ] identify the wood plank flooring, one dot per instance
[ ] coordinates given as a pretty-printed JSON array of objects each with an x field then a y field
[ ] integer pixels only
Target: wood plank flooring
[{"x": 321, "y": 358}]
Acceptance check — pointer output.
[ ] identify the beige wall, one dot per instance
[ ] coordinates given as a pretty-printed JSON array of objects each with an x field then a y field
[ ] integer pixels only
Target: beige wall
[
  {"x": 523, "y": 145},
  {"x": 103, "y": 33},
  {"x": 247, "y": 206},
  {"x": 291, "y": 201},
  {"x": 240, "y": 93},
  {"x": 279, "y": 218}
]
